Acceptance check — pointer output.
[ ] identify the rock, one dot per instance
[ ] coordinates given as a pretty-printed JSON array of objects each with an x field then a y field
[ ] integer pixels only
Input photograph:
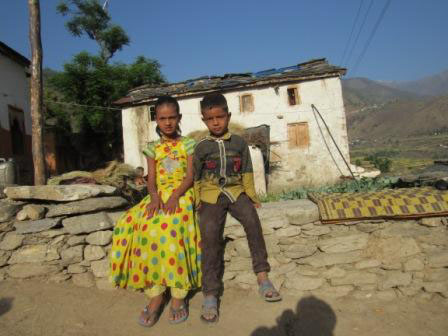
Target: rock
[
  {"x": 274, "y": 223},
  {"x": 234, "y": 232},
  {"x": 239, "y": 264},
  {"x": 228, "y": 275},
  {"x": 370, "y": 263},
  {"x": 414, "y": 264},
  {"x": 72, "y": 255},
  {"x": 75, "y": 269},
  {"x": 29, "y": 270},
  {"x": 53, "y": 233},
  {"x": 76, "y": 240},
  {"x": 8, "y": 211},
  {"x": 34, "y": 211},
  {"x": 328, "y": 259},
  {"x": 389, "y": 265},
  {"x": 104, "y": 284},
  {"x": 290, "y": 231},
  {"x": 100, "y": 268},
  {"x": 37, "y": 225},
  {"x": 395, "y": 279},
  {"x": 303, "y": 212},
  {"x": 4, "y": 256},
  {"x": 303, "y": 283},
  {"x": 334, "y": 272},
  {"x": 99, "y": 238},
  {"x": 29, "y": 254},
  {"x": 436, "y": 287},
  {"x": 355, "y": 278},
  {"x": 272, "y": 244},
  {"x": 317, "y": 231},
  {"x": 87, "y": 205},
  {"x": 247, "y": 278},
  {"x": 22, "y": 215},
  {"x": 87, "y": 223},
  {"x": 59, "y": 193},
  {"x": 410, "y": 290},
  {"x": 300, "y": 251},
  {"x": 57, "y": 240},
  {"x": 437, "y": 260},
  {"x": 390, "y": 250},
  {"x": 436, "y": 274},
  {"x": 362, "y": 294},
  {"x": 306, "y": 270},
  {"x": 402, "y": 229},
  {"x": 83, "y": 279},
  {"x": 92, "y": 252},
  {"x": 386, "y": 295},
  {"x": 60, "y": 277},
  {"x": 344, "y": 244},
  {"x": 242, "y": 248},
  {"x": 431, "y": 221},
  {"x": 438, "y": 236},
  {"x": 11, "y": 241},
  {"x": 289, "y": 241},
  {"x": 334, "y": 292},
  {"x": 116, "y": 215},
  {"x": 283, "y": 269},
  {"x": 369, "y": 227}
]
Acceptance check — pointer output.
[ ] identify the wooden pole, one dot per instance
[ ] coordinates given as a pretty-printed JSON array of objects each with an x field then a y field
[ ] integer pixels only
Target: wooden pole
[{"x": 36, "y": 93}]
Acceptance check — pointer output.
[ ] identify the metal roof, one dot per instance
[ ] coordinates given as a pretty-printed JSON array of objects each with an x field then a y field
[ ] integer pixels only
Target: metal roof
[{"x": 314, "y": 69}]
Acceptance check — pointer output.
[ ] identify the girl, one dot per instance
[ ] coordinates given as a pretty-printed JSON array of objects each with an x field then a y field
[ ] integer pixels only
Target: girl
[{"x": 155, "y": 243}]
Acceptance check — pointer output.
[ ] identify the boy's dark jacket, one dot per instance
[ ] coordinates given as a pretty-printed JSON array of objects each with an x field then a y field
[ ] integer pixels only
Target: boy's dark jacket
[{"x": 223, "y": 165}]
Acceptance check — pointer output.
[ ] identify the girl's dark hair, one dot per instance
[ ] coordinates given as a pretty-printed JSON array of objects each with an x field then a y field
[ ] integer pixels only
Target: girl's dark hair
[{"x": 167, "y": 100}]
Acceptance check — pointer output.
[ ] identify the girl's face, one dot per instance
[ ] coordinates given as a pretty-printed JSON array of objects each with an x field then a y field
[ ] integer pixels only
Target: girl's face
[{"x": 168, "y": 120}]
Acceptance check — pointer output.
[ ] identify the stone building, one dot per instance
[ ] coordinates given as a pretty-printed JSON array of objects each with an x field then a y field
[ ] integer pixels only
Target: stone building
[
  {"x": 15, "y": 117},
  {"x": 301, "y": 151}
]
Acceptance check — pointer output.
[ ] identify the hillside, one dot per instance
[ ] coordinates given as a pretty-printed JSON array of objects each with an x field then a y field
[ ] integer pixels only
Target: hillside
[
  {"x": 400, "y": 118},
  {"x": 436, "y": 85},
  {"x": 362, "y": 93}
]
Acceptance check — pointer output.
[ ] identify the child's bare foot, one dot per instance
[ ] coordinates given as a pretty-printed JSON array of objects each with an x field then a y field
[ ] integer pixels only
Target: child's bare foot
[
  {"x": 150, "y": 314},
  {"x": 178, "y": 311},
  {"x": 266, "y": 288}
]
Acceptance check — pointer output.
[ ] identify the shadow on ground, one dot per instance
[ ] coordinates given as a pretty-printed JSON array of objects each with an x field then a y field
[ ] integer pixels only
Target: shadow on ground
[
  {"x": 313, "y": 317},
  {"x": 5, "y": 305}
]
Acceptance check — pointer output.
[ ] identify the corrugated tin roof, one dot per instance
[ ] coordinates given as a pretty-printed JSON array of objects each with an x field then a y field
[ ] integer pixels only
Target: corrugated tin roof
[{"x": 318, "y": 68}]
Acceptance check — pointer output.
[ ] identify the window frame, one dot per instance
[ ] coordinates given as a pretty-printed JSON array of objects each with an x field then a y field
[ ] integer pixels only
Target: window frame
[
  {"x": 252, "y": 105},
  {"x": 295, "y": 89}
]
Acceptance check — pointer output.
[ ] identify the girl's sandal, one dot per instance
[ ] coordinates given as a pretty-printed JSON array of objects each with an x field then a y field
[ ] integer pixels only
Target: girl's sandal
[
  {"x": 149, "y": 318},
  {"x": 266, "y": 287},
  {"x": 176, "y": 311},
  {"x": 210, "y": 307}
]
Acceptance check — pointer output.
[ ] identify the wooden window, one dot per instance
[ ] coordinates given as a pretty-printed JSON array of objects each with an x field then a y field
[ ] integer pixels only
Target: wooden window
[
  {"x": 293, "y": 96},
  {"x": 246, "y": 103},
  {"x": 298, "y": 135},
  {"x": 152, "y": 113}
]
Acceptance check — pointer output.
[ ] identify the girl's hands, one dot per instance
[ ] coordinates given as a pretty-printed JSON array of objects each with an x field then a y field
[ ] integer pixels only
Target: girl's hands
[
  {"x": 154, "y": 206},
  {"x": 171, "y": 205}
]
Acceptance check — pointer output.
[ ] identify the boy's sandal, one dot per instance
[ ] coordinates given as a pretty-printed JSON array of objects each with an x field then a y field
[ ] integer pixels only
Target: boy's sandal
[
  {"x": 210, "y": 307},
  {"x": 266, "y": 287},
  {"x": 175, "y": 311},
  {"x": 149, "y": 318}
]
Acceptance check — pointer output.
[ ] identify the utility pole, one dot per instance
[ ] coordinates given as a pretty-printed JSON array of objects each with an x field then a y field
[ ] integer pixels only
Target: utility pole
[{"x": 36, "y": 93}]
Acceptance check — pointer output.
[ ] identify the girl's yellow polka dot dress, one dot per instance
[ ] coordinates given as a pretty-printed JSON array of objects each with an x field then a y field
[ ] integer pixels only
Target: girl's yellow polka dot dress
[{"x": 163, "y": 249}]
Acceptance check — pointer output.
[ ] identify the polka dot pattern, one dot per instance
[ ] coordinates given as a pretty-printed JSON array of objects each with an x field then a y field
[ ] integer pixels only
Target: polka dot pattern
[{"x": 162, "y": 249}]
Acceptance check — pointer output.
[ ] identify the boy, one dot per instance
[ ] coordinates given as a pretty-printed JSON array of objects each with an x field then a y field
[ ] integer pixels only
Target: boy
[{"x": 223, "y": 181}]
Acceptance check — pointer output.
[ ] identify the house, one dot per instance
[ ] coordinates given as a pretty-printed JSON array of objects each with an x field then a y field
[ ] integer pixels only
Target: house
[
  {"x": 15, "y": 117},
  {"x": 301, "y": 149}
]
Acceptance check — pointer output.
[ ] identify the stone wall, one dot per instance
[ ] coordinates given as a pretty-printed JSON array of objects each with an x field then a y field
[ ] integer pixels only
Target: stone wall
[{"x": 377, "y": 258}]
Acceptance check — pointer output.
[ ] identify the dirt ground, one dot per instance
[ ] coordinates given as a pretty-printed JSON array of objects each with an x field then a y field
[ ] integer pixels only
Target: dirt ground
[{"x": 38, "y": 308}]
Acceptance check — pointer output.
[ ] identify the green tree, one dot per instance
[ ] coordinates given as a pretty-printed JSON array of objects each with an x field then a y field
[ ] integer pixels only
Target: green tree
[{"x": 88, "y": 17}]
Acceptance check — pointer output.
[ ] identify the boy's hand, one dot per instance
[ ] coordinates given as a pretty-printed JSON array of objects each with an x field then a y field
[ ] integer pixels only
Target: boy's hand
[
  {"x": 257, "y": 205},
  {"x": 171, "y": 205},
  {"x": 198, "y": 206}
]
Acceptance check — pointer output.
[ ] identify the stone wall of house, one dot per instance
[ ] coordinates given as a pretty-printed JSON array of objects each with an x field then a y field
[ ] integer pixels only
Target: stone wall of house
[{"x": 64, "y": 233}]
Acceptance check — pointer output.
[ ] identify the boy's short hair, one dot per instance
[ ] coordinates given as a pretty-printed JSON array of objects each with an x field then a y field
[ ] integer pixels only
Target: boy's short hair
[{"x": 214, "y": 99}]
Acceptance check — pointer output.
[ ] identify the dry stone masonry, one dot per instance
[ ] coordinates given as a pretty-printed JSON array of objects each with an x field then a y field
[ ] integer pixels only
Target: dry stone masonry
[{"x": 64, "y": 233}]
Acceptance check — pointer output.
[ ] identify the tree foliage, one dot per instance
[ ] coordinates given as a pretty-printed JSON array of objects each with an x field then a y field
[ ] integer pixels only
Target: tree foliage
[{"x": 88, "y": 17}]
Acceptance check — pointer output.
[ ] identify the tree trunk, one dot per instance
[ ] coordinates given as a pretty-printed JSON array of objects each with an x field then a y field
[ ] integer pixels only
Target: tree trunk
[{"x": 36, "y": 93}]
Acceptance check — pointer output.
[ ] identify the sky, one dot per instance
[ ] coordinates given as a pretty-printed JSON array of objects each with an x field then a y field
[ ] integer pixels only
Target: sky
[{"x": 203, "y": 37}]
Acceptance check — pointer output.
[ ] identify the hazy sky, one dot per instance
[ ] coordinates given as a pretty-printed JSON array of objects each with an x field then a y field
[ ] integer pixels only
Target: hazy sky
[{"x": 199, "y": 37}]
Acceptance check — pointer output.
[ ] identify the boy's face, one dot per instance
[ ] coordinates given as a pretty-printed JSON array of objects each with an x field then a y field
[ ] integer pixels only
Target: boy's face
[{"x": 217, "y": 120}]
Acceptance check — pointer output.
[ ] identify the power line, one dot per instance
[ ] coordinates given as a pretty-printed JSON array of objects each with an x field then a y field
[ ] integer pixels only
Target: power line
[
  {"x": 372, "y": 34},
  {"x": 360, "y": 30},
  {"x": 351, "y": 33}
]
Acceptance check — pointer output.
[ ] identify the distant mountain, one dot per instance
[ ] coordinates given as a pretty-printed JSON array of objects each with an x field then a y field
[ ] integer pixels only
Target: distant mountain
[
  {"x": 361, "y": 93},
  {"x": 400, "y": 118},
  {"x": 436, "y": 85}
]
